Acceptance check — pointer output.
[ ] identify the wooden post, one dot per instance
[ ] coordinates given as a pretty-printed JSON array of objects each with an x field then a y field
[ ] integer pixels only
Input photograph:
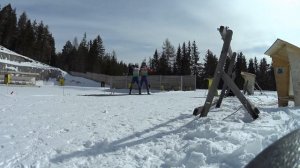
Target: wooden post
[
  {"x": 225, "y": 87},
  {"x": 219, "y": 73},
  {"x": 252, "y": 110}
]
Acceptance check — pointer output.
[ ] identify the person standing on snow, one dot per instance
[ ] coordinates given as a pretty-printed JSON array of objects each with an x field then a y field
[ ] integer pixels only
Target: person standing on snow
[
  {"x": 144, "y": 75},
  {"x": 135, "y": 78}
]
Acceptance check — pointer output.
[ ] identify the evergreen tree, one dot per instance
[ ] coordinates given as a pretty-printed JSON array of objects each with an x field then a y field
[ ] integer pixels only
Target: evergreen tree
[
  {"x": 32, "y": 40},
  {"x": 35, "y": 41},
  {"x": 262, "y": 74},
  {"x": 82, "y": 54},
  {"x": 91, "y": 57},
  {"x": 39, "y": 33},
  {"x": 194, "y": 59},
  {"x": 210, "y": 65},
  {"x": 53, "y": 55},
  {"x": 66, "y": 56},
  {"x": 251, "y": 68},
  {"x": 114, "y": 64},
  {"x": 101, "y": 47},
  {"x": 177, "y": 68},
  {"x": 186, "y": 60},
  {"x": 75, "y": 43},
  {"x": 25, "y": 36},
  {"x": 95, "y": 55},
  {"x": 74, "y": 59},
  {"x": 8, "y": 29},
  {"x": 163, "y": 65},
  {"x": 271, "y": 84},
  {"x": 106, "y": 64},
  {"x": 150, "y": 64},
  {"x": 255, "y": 65},
  {"x": 169, "y": 51},
  {"x": 28, "y": 43},
  {"x": 240, "y": 66},
  {"x": 44, "y": 44},
  {"x": 48, "y": 47},
  {"x": 155, "y": 63},
  {"x": 183, "y": 54},
  {"x": 21, "y": 34}
]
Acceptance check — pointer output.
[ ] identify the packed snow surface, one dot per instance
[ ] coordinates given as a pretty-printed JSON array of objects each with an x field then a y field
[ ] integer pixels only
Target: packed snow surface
[{"x": 80, "y": 125}]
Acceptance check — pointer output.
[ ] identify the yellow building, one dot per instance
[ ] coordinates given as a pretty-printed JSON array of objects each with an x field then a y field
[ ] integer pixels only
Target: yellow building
[{"x": 286, "y": 63}]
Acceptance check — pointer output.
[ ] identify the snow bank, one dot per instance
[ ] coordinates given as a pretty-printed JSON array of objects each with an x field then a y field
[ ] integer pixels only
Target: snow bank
[
  {"x": 52, "y": 126},
  {"x": 82, "y": 125}
]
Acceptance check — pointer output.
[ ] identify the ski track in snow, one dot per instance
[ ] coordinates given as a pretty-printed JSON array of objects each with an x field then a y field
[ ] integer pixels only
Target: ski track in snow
[{"x": 51, "y": 126}]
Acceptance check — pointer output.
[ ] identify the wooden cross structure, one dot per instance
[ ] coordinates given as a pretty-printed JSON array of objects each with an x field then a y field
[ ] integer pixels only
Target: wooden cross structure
[{"x": 229, "y": 84}]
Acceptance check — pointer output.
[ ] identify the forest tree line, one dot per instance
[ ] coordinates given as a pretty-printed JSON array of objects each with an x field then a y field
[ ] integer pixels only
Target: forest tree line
[
  {"x": 89, "y": 57},
  {"x": 26, "y": 37},
  {"x": 186, "y": 61},
  {"x": 35, "y": 41}
]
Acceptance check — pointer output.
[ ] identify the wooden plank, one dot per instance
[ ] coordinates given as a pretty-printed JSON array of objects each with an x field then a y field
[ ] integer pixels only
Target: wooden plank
[
  {"x": 225, "y": 87},
  {"x": 218, "y": 73},
  {"x": 252, "y": 110}
]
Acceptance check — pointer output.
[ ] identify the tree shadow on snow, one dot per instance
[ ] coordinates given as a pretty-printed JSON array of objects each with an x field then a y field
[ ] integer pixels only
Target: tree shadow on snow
[{"x": 129, "y": 141}]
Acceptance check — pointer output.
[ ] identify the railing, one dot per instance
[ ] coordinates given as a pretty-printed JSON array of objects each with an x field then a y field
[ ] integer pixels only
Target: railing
[{"x": 158, "y": 82}]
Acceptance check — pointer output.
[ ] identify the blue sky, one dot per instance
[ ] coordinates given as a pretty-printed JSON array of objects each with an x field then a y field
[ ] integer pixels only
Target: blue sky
[{"x": 135, "y": 28}]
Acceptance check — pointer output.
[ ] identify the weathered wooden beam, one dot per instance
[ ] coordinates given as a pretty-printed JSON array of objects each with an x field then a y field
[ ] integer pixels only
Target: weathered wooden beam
[
  {"x": 218, "y": 72},
  {"x": 225, "y": 87},
  {"x": 252, "y": 110},
  {"x": 228, "y": 82}
]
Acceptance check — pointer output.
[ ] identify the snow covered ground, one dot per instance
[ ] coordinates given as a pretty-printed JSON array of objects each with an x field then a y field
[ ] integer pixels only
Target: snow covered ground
[{"x": 80, "y": 125}]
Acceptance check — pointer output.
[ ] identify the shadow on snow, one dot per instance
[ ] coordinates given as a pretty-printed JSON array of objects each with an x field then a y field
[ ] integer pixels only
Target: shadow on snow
[{"x": 105, "y": 147}]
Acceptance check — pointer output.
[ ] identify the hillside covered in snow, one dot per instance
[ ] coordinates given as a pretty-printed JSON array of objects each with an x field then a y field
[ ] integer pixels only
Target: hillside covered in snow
[{"x": 11, "y": 61}]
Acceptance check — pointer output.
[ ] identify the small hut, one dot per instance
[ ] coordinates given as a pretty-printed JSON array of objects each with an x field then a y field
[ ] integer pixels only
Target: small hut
[
  {"x": 286, "y": 63},
  {"x": 249, "y": 83}
]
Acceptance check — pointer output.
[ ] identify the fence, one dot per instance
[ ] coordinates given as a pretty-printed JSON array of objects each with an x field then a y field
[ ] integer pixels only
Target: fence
[{"x": 157, "y": 82}]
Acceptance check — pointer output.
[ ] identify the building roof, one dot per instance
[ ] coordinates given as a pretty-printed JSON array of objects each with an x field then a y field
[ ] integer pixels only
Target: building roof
[{"x": 280, "y": 49}]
